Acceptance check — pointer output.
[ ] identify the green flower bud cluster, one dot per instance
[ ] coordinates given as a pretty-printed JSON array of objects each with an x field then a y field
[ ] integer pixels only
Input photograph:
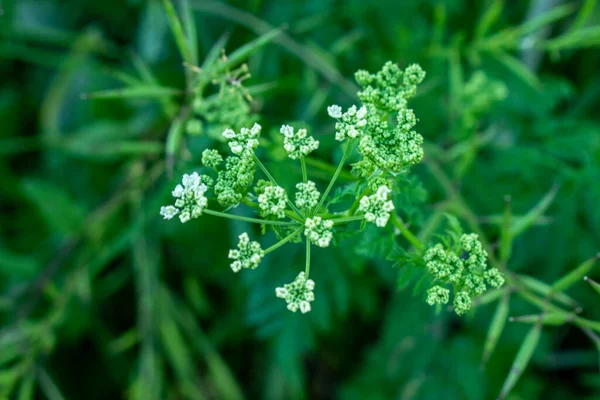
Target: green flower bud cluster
[
  {"x": 297, "y": 144},
  {"x": 247, "y": 255},
  {"x": 245, "y": 142},
  {"x": 389, "y": 88},
  {"x": 272, "y": 202},
  {"x": 307, "y": 195},
  {"x": 479, "y": 94},
  {"x": 191, "y": 200},
  {"x": 351, "y": 124},
  {"x": 318, "y": 230},
  {"x": 211, "y": 158},
  {"x": 377, "y": 207},
  {"x": 392, "y": 149},
  {"x": 464, "y": 265},
  {"x": 194, "y": 127},
  {"x": 298, "y": 294},
  {"x": 235, "y": 180},
  {"x": 438, "y": 295},
  {"x": 385, "y": 93},
  {"x": 226, "y": 109}
]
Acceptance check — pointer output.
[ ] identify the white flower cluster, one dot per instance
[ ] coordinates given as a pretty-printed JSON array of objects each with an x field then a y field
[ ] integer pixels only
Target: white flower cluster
[
  {"x": 377, "y": 207},
  {"x": 350, "y": 124},
  {"x": 245, "y": 141},
  {"x": 318, "y": 231},
  {"x": 298, "y": 294},
  {"x": 191, "y": 200},
  {"x": 298, "y": 144},
  {"x": 247, "y": 255},
  {"x": 307, "y": 195},
  {"x": 272, "y": 202}
]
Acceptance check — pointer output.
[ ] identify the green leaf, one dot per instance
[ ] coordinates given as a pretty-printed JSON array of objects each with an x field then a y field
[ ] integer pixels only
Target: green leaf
[
  {"x": 523, "y": 223},
  {"x": 175, "y": 138},
  {"x": 521, "y": 360},
  {"x": 134, "y": 92},
  {"x": 545, "y": 290},
  {"x": 489, "y": 17},
  {"x": 178, "y": 34},
  {"x": 595, "y": 285},
  {"x": 215, "y": 51},
  {"x": 551, "y": 318},
  {"x": 574, "y": 276},
  {"x": 50, "y": 389},
  {"x": 242, "y": 53},
  {"x": 26, "y": 389},
  {"x": 581, "y": 38},
  {"x": 496, "y": 327},
  {"x": 518, "y": 68},
  {"x": 190, "y": 30},
  {"x": 58, "y": 210}
]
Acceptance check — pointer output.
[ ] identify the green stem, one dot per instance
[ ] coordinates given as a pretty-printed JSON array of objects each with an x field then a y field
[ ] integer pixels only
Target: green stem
[
  {"x": 347, "y": 219},
  {"x": 248, "y": 219},
  {"x": 408, "y": 235},
  {"x": 307, "y": 268},
  {"x": 304, "y": 174},
  {"x": 284, "y": 240},
  {"x": 270, "y": 177},
  {"x": 356, "y": 203},
  {"x": 333, "y": 178}
]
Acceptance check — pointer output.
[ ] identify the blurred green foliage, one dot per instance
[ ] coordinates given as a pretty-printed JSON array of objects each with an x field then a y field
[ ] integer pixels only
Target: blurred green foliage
[{"x": 102, "y": 299}]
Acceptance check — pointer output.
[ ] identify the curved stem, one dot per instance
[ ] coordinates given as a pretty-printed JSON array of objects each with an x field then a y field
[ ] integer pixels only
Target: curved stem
[
  {"x": 408, "y": 235},
  {"x": 248, "y": 219},
  {"x": 334, "y": 177},
  {"x": 284, "y": 240}
]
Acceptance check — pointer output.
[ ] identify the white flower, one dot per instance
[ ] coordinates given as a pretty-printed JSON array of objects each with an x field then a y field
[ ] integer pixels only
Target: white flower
[
  {"x": 298, "y": 294},
  {"x": 247, "y": 255},
  {"x": 190, "y": 199},
  {"x": 244, "y": 141},
  {"x": 272, "y": 202},
  {"x": 318, "y": 231},
  {"x": 352, "y": 123},
  {"x": 334, "y": 111},
  {"x": 377, "y": 207},
  {"x": 297, "y": 144},
  {"x": 307, "y": 195}
]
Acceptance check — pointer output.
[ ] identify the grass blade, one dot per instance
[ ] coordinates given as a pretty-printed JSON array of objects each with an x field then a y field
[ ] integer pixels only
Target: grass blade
[{"x": 521, "y": 360}]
